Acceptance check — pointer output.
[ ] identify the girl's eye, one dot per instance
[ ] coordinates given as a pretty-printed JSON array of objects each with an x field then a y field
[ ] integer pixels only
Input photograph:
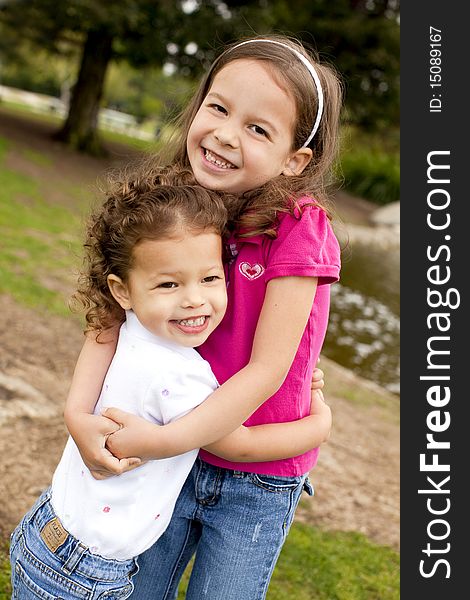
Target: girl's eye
[
  {"x": 259, "y": 130},
  {"x": 218, "y": 108},
  {"x": 210, "y": 279},
  {"x": 167, "y": 285}
]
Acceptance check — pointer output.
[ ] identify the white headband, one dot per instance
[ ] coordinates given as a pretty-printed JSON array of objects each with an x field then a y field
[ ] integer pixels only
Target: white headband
[{"x": 312, "y": 72}]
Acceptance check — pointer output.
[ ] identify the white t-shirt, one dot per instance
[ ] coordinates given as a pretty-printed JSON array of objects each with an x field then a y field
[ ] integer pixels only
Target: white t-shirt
[{"x": 122, "y": 516}]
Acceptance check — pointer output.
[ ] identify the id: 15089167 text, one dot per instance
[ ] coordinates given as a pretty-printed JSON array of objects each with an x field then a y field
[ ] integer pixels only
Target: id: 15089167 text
[{"x": 435, "y": 69}]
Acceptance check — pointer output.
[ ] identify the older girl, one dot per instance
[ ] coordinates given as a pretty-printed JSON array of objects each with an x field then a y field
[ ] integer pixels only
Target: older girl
[{"x": 263, "y": 125}]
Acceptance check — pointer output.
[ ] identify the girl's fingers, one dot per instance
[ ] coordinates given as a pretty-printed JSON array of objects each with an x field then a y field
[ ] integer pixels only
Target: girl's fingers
[
  {"x": 115, "y": 414},
  {"x": 317, "y": 380},
  {"x": 111, "y": 466},
  {"x": 318, "y": 374}
]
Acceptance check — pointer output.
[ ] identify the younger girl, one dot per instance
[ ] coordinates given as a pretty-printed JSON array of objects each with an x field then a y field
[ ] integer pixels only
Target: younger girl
[
  {"x": 154, "y": 257},
  {"x": 263, "y": 125}
]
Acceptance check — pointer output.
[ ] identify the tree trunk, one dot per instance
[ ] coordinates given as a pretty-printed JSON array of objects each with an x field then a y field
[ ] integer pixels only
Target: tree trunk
[{"x": 80, "y": 128}]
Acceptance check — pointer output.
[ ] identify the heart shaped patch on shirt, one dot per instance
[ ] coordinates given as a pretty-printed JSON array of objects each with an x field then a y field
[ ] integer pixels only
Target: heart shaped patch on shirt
[{"x": 251, "y": 271}]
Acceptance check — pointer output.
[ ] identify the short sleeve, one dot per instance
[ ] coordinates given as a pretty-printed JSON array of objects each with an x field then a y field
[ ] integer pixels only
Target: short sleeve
[
  {"x": 173, "y": 395},
  {"x": 152, "y": 402},
  {"x": 305, "y": 246}
]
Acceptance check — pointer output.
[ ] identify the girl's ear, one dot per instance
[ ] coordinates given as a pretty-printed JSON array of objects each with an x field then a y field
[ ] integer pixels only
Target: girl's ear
[
  {"x": 119, "y": 291},
  {"x": 297, "y": 162}
]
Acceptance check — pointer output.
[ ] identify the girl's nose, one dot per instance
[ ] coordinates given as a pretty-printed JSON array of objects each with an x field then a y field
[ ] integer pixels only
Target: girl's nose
[
  {"x": 193, "y": 298},
  {"x": 226, "y": 136}
]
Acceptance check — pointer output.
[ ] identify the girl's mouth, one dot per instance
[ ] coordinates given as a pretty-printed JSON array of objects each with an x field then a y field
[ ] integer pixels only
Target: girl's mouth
[
  {"x": 192, "y": 326},
  {"x": 216, "y": 160}
]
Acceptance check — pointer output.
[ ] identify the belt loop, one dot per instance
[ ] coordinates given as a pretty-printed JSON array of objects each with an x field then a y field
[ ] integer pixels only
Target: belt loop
[
  {"x": 73, "y": 560},
  {"x": 308, "y": 487}
]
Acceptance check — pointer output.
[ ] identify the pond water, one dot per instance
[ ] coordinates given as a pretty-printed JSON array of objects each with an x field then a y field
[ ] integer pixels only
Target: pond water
[{"x": 364, "y": 330}]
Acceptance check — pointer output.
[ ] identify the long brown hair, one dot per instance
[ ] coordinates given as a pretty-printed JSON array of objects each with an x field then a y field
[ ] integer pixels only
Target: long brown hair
[
  {"x": 257, "y": 209},
  {"x": 133, "y": 212}
]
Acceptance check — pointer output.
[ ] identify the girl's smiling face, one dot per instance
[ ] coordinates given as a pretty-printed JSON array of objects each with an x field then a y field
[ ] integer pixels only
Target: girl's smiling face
[
  {"x": 241, "y": 136},
  {"x": 176, "y": 286}
]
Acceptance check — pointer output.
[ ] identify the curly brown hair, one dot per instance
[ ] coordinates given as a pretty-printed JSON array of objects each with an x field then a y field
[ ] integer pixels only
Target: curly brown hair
[
  {"x": 134, "y": 211},
  {"x": 257, "y": 209}
]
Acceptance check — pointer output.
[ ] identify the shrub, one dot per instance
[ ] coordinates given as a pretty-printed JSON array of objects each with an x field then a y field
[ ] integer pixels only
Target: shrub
[
  {"x": 369, "y": 165},
  {"x": 372, "y": 175}
]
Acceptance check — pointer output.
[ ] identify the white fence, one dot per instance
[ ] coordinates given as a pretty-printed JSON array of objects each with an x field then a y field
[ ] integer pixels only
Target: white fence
[{"x": 110, "y": 119}]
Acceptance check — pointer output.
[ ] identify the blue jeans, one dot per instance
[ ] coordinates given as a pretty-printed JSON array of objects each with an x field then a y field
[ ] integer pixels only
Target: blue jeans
[
  {"x": 235, "y": 522},
  {"x": 40, "y": 570}
]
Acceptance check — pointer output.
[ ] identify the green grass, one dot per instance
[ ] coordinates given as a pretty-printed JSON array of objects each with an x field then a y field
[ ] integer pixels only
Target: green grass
[
  {"x": 40, "y": 238},
  {"x": 5, "y": 589},
  {"x": 40, "y": 242},
  {"x": 37, "y": 158},
  {"x": 334, "y": 566},
  {"x": 314, "y": 564},
  {"x": 3, "y": 148}
]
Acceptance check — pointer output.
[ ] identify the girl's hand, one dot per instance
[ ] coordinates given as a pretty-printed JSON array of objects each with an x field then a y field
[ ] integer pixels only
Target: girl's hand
[
  {"x": 90, "y": 433},
  {"x": 317, "y": 380},
  {"x": 132, "y": 435},
  {"x": 319, "y": 407}
]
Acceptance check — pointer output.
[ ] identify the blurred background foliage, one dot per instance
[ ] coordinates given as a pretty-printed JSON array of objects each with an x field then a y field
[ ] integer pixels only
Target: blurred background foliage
[{"x": 143, "y": 57}]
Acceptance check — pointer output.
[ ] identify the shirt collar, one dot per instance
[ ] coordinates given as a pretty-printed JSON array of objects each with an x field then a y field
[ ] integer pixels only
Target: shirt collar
[{"x": 135, "y": 328}]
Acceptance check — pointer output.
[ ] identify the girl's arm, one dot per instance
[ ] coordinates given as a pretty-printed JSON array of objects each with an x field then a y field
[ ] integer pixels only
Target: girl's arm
[
  {"x": 277, "y": 440},
  {"x": 89, "y": 431},
  {"x": 282, "y": 321}
]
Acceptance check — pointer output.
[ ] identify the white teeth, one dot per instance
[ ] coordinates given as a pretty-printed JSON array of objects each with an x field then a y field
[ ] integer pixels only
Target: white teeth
[
  {"x": 216, "y": 161},
  {"x": 192, "y": 322}
]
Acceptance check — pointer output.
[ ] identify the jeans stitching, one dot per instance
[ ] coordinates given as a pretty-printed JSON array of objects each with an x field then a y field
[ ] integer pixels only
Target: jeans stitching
[
  {"x": 31, "y": 572},
  {"x": 266, "y": 580},
  {"x": 121, "y": 593},
  {"x": 68, "y": 585},
  {"x": 218, "y": 480},
  {"x": 20, "y": 576},
  {"x": 178, "y": 563},
  {"x": 271, "y": 487},
  {"x": 29, "y": 557},
  {"x": 292, "y": 508}
]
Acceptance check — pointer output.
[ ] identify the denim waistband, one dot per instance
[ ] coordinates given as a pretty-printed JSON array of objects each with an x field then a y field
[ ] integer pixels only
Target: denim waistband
[{"x": 72, "y": 554}]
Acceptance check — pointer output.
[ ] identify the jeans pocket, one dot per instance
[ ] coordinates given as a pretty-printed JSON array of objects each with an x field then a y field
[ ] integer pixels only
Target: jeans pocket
[
  {"x": 118, "y": 594},
  {"x": 123, "y": 589},
  {"x": 25, "y": 588},
  {"x": 276, "y": 484},
  {"x": 32, "y": 578}
]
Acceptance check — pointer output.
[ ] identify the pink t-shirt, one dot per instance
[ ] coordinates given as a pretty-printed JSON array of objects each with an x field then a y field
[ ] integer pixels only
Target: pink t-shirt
[{"x": 305, "y": 246}]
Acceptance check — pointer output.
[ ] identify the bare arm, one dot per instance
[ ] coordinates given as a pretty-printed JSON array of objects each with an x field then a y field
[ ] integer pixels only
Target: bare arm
[
  {"x": 90, "y": 370},
  {"x": 283, "y": 318},
  {"x": 277, "y": 440},
  {"x": 89, "y": 431}
]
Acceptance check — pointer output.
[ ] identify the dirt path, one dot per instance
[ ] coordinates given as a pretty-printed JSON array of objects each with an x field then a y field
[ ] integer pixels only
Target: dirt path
[{"x": 356, "y": 480}]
